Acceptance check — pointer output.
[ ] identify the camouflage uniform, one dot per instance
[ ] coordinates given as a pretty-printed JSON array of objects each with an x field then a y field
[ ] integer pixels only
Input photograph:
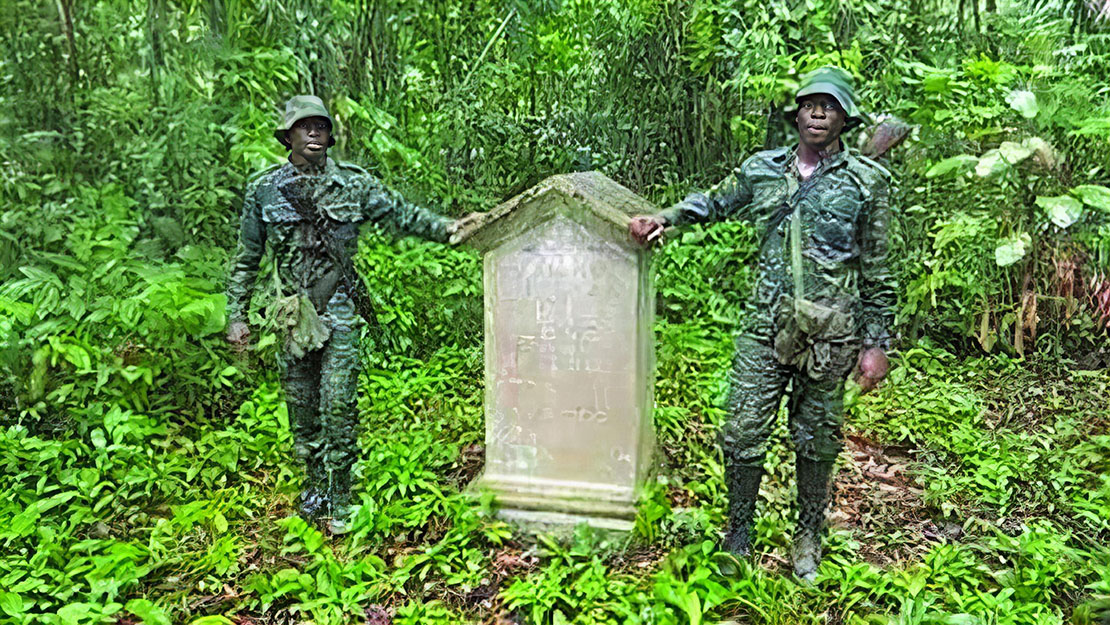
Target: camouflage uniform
[
  {"x": 842, "y": 215},
  {"x": 311, "y": 224}
]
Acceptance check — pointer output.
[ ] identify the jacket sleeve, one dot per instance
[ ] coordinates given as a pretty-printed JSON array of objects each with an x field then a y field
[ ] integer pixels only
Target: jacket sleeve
[
  {"x": 244, "y": 266},
  {"x": 878, "y": 287},
  {"x": 725, "y": 200},
  {"x": 388, "y": 208}
]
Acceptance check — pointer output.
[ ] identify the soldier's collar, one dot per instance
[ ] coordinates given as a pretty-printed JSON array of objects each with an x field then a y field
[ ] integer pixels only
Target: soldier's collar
[
  {"x": 328, "y": 169},
  {"x": 825, "y": 164}
]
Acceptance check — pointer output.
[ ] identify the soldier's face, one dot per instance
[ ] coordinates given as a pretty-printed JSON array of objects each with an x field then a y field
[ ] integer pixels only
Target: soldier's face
[
  {"x": 820, "y": 120},
  {"x": 309, "y": 138}
]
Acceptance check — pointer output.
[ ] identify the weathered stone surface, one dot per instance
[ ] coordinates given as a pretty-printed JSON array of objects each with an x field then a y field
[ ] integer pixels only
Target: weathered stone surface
[{"x": 569, "y": 307}]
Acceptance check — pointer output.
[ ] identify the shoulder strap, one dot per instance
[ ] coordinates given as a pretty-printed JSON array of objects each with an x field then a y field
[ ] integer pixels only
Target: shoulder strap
[{"x": 796, "y": 255}]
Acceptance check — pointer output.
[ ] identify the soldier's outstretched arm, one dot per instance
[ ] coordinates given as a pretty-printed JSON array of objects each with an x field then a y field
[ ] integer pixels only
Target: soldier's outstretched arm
[
  {"x": 725, "y": 200},
  {"x": 387, "y": 207},
  {"x": 244, "y": 268}
]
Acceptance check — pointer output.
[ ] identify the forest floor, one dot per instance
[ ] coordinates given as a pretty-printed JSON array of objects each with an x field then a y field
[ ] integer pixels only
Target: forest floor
[{"x": 969, "y": 491}]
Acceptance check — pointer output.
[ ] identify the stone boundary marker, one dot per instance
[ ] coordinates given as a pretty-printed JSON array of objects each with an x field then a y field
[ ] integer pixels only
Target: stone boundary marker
[{"x": 569, "y": 352}]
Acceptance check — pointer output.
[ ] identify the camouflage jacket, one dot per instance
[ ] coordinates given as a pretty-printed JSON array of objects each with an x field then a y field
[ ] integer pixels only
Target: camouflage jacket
[
  {"x": 288, "y": 211},
  {"x": 845, "y": 216}
]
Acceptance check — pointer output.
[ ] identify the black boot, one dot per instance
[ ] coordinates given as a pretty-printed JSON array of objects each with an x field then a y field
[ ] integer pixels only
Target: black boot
[
  {"x": 743, "y": 491},
  {"x": 305, "y": 427},
  {"x": 813, "y": 496},
  {"x": 314, "y": 501},
  {"x": 339, "y": 500}
]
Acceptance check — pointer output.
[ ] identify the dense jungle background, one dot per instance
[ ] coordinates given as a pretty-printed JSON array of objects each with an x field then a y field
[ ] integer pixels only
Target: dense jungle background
[{"x": 146, "y": 474}]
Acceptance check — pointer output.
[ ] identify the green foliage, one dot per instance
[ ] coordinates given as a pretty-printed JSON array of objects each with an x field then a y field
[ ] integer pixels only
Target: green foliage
[
  {"x": 987, "y": 453},
  {"x": 90, "y": 519},
  {"x": 576, "y": 586},
  {"x": 439, "y": 302},
  {"x": 146, "y": 472}
]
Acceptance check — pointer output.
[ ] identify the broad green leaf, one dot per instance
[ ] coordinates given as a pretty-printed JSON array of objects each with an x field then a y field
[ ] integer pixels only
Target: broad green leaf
[
  {"x": 937, "y": 83},
  {"x": 72, "y": 613},
  {"x": 219, "y": 523},
  {"x": 990, "y": 163},
  {"x": 1011, "y": 250},
  {"x": 148, "y": 611},
  {"x": 1093, "y": 195},
  {"x": 204, "y": 316},
  {"x": 1013, "y": 152},
  {"x": 959, "y": 162},
  {"x": 11, "y": 603},
  {"x": 1063, "y": 210},
  {"x": 23, "y": 524},
  {"x": 268, "y": 339},
  {"x": 134, "y": 372},
  {"x": 55, "y": 500},
  {"x": 215, "y": 619},
  {"x": 1024, "y": 102},
  {"x": 21, "y": 311}
]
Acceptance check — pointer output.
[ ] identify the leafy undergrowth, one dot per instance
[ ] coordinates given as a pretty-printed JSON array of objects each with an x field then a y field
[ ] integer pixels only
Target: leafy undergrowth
[
  {"x": 938, "y": 518},
  {"x": 146, "y": 474},
  {"x": 970, "y": 490}
]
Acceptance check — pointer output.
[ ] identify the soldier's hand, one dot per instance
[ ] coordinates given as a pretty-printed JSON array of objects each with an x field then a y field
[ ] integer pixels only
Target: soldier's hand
[
  {"x": 646, "y": 229},
  {"x": 873, "y": 366},
  {"x": 464, "y": 222},
  {"x": 237, "y": 334}
]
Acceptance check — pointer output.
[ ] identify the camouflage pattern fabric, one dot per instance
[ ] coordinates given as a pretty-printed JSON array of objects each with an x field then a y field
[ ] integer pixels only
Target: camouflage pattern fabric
[
  {"x": 758, "y": 382},
  {"x": 843, "y": 215},
  {"x": 297, "y": 216},
  {"x": 346, "y": 194},
  {"x": 818, "y": 303}
]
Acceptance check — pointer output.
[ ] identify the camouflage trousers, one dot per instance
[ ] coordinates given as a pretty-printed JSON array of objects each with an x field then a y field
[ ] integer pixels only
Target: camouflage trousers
[
  {"x": 758, "y": 382},
  {"x": 321, "y": 395}
]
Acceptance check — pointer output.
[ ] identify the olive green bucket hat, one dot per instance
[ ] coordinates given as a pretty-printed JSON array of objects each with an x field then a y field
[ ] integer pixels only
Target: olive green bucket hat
[
  {"x": 835, "y": 82},
  {"x": 299, "y": 107}
]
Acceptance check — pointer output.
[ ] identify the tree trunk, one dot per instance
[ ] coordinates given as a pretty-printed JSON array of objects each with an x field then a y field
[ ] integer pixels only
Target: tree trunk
[
  {"x": 65, "y": 16},
  {"x": 154, "y": 36}
]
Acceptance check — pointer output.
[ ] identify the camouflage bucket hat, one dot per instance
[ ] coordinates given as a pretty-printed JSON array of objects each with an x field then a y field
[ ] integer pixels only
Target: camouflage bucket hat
[
  {"x": 299, "y": 107},
  {"x": 835, "y": 82}
]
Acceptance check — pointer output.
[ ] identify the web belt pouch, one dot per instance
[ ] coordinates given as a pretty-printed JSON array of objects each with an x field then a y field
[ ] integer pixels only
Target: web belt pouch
[
  {"x": 804, "y": 325},
  {"x": 304, "y": 331},
  {"x": 820, "y": 322},
  {"x": 790, "y": 341}
]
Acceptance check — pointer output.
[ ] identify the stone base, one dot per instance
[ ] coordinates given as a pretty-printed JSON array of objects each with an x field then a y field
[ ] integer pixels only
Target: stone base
[
  {"x": 557, "y": 522},
  {"x": 545, "y": 504}
]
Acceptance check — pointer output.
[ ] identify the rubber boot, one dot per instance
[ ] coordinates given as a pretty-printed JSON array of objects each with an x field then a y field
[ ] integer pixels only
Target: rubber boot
[
  {"x": 743, "y": 491},
  {"x": 303, "y": 423},
  {"x": 313, "y": 501},
  {"x": 339, "y": 499},
  {"x": 813, "y": 494}
]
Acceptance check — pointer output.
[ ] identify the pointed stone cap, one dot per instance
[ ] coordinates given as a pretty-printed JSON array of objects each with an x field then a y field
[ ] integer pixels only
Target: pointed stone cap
[{"x": 587, "y": 197}]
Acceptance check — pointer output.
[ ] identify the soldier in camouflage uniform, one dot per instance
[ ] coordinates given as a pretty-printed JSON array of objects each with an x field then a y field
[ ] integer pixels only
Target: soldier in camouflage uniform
[
  {"x": 308, "y": 211},
  {"x": 825, "y": 296}
]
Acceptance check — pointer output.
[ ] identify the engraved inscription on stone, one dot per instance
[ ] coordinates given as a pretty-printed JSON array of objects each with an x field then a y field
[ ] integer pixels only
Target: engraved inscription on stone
[
  {"x": 569, "y": 360},
  {"x": 563, "y": 380}
]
